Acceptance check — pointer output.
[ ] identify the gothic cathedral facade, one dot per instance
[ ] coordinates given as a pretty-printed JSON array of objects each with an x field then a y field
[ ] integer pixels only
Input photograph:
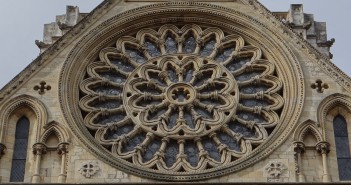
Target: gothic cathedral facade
[{"x": 143, "y": 91}]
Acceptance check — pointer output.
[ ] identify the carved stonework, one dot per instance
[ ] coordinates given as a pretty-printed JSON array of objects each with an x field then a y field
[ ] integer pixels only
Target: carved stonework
[
  {"x": 42, "y": 87},
  {"x": 170, "y": 100},
  {"x": 197, "y": 99},
  {"x": 323, "y": 147},
  {"x": 62, "y": 148},
  {"x": 319, "y": 86},
  {"x": 2, "y": 149},
  {"x": 299, "y": 147},
  {"x": 275, "y": 170},
  {"x": 88, "y": 169},
  {"x": 39, "y": 148}
]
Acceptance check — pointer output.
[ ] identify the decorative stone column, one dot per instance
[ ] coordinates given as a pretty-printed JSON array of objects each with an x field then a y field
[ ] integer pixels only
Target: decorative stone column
[
  {"x": 38, "y": 150},
  {"x": 62, "y": 150},
  {"x": 323, "y": 149},
  {"x": 299, "y": 148},
  {"x": 2, "y": 149}
]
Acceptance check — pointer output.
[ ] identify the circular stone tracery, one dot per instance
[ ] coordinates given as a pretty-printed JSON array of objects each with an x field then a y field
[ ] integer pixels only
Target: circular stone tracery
[
  {"x": 168, "y": 96},
  {"x": 181, "y": 100}
]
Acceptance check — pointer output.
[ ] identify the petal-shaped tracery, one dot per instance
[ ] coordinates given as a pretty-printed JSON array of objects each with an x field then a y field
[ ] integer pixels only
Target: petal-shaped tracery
[{"x": 181, "y": 99}]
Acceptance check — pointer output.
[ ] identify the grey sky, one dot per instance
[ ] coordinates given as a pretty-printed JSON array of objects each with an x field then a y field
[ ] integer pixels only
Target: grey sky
[{"x": 22, "y": 23}]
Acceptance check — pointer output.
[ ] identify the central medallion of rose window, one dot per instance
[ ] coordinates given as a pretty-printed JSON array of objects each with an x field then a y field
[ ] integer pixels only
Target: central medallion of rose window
[
  {"x": 180, "y": 97},
  {"x": 181, "y": 100}
]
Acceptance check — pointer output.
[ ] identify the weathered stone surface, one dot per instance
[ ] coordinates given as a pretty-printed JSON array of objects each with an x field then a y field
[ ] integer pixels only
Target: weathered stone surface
[{"x": 297, "y": 34}]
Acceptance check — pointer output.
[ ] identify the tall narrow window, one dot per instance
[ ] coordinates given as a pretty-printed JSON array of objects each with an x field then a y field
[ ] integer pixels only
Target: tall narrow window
[
  {"x": 20, "y": 150},
  {"x": 342, "y": 148}
]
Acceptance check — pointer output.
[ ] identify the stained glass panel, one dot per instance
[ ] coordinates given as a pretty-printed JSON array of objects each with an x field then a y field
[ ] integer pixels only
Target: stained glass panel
[
  {"x": 20, "y": 150},
  {"x": 342, "y": 148}
]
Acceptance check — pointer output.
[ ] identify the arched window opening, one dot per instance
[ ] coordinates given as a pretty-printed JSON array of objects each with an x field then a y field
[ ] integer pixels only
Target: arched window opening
[
  {"x": 342, "y": 147},
  {"x": 20, "y": 150}
]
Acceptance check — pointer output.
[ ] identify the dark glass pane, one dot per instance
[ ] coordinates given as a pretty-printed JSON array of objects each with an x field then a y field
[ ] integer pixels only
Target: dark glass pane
[
  {"x": 208, "y": 48},
  {"x": 20, "y": 150},
  {"x": 115, "y": 133},
  {"x": 224, "y": 55},
  {"x": 253, "y": 102},
  {"x": 171, "y": 153},
  {"x": 192, "y": 153},
  {"x": 125, "y": 66},
  {"x": 190, "y": 45},
  {"x": 17, "y": 170},
  {"x": 247, "y": 76},
  {"x": 109, "y": 119},
  {"x": 107, "y": 104},
  {"x": 344, "y": 166},
  {"x": 113, "y": 76},
  {"x": 151, "y": 149},
  {"x": 239, "y": 128},
  {"x": 229, "y": 141},
  {"x": 237, "y": 63},
  {"x": 152, "y": 48},
  {"x": 252, "y": 89},
  {"x": 135, "y": 55},
  {"x": 211, "y": 147},
  {"x": 133, "y": 142},
  {"x": 248, "y": 116},
  {"x": 107, "y": 89},
  {"x": 340, "y": 127},
  {"x": 22, "y": 128},
  {"x": 342, "y": 147},
  {"x": 171, "y": 45}
]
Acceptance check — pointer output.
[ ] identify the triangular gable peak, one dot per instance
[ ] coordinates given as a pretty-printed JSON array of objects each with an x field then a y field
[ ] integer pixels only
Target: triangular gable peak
[
  {"x": 318, "y": 50},
  {"x": 236, "y": 90}
]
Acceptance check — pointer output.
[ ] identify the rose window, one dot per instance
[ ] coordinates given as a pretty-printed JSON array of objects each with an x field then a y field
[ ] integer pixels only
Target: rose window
[{"x": 181, "y": 99}]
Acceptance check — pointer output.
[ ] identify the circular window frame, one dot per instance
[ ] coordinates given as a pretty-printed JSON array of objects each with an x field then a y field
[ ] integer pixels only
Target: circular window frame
[{"x": 180, "y": 13}]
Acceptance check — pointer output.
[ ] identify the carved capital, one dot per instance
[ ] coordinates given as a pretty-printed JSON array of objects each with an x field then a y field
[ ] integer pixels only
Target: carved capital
[
  {"x": 39, "y": 148},
  {"x": 62, "y": 148},
  {"x": 323, "y": 147},
  {"x": 299, "y": 147},
  {"x": 2, "y": 149}
]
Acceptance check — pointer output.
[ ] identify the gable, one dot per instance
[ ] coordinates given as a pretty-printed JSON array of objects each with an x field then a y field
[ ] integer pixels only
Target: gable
[{"x": 95, "y": 95}]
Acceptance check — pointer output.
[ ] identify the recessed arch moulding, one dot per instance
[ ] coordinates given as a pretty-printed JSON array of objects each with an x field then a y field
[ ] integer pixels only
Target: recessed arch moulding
[{"x": 181, "y": 91}]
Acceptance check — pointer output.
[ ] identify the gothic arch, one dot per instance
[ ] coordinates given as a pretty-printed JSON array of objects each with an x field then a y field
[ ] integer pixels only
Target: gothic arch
[
  {"x": 54, "y": 127},
  {"x": 331, "y": 106},
  {"x": 308, "y": 126},
  {"x": 24, "y": 101}
]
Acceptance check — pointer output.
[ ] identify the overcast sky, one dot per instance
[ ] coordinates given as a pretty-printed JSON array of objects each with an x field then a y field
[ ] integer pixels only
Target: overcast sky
[{"x": 22, "y": 23}]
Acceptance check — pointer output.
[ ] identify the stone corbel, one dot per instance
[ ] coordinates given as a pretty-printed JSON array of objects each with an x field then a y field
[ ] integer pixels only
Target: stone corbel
[
  {"x": 63, "y": 26},
  {"x": 41, "y": 44},
  {"x": 328, "y": 43},
  {"x": 323, "y": 147}
]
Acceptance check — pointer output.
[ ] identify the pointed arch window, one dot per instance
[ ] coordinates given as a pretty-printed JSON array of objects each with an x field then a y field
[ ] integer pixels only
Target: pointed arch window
[
  {"x": 342, "y": 148},
  {"x": 20, "y": 150}
]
